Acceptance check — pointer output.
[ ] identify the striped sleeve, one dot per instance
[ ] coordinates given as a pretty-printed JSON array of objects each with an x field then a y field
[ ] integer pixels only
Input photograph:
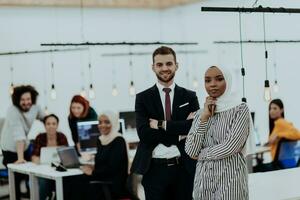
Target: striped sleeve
[
  {"x": 195, "y": 137},
  {"x": 234, "y": 143}
]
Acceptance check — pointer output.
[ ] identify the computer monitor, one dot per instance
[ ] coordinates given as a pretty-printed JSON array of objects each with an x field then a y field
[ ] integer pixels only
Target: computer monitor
[
  {"x": 129, "y": 118},
  {"x": 88, "y": 134},
  {"x": 256, "y": 134},
  {"x": 68, "y": 157}
]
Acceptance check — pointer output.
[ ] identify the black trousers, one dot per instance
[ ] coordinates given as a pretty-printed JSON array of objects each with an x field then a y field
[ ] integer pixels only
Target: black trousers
[
  {"x": 163, "y": 182},
  {"x": 11, "y": 157}
]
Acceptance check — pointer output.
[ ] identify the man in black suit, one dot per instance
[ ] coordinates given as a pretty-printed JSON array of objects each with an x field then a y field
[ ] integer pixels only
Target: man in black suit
[{"x": 164, "y": 115}]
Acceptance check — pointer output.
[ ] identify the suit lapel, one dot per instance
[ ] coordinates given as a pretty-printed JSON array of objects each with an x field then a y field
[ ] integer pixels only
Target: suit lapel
[{"x": 157, "y": 102}]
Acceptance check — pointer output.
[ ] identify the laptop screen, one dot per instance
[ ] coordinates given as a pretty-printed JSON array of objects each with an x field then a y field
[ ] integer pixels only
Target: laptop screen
[
  {"x": 88, "y": 134},
  {"x": 68, "y": 157}
]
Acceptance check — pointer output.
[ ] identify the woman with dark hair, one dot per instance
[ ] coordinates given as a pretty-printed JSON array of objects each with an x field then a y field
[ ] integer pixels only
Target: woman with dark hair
[
  {"x": 279, "y": 127},
  {"x": 51, "y": 138},
  {"x": 80, "y": 110}
]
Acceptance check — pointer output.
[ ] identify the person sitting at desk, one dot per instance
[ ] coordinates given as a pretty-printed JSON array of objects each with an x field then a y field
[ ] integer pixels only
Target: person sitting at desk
[
  {"x": 279, "y": 128},
  {"x": 80, "y": 110},
  {"x": 110, "y": 159},
  {"x": 51, "y": 138}
]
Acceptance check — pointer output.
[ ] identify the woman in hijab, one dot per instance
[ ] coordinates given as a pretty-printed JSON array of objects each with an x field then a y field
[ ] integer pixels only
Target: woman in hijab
[
  {"x": 217, "y": 139},
  {"x": 111, "y": 160}
]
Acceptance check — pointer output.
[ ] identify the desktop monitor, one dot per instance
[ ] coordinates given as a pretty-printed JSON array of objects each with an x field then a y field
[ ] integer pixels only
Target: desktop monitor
[
  {"x": 88, "y": 134},
  {"x": 129, "y": 118},
  {"x": 256, "y": 134}
]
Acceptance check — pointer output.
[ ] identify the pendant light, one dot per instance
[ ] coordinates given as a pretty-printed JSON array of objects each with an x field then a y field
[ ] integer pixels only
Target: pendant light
[
  {"x": 53, "y": 90},
  {"x": 131, "y": 85},
  {"x": 267, "y": 90},
  {"x": 91, "y": 89},
  {"x": 243, "y": 72},
  {"x": 11, "y": 88}
]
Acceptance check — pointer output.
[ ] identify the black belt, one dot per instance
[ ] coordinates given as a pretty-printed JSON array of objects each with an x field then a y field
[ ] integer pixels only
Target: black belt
[{"x": 166, "y": 161}]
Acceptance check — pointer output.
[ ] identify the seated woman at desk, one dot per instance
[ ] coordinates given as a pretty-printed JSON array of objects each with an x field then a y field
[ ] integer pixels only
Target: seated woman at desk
[
  {"x": 110, "y": 160},
  {"x": 51, "y": 138},
  {"x": 279, "y": 127}
]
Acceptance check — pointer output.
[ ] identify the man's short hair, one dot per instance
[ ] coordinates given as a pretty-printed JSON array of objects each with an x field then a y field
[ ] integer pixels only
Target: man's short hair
[
  {"x": 19, "y": 91},
  {"x": 164, "y": 50}
]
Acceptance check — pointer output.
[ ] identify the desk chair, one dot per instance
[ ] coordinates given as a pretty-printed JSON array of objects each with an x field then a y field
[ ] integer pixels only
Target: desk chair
[
  {"x": 4, "y": 181},
  {"x": 287, "y": 154}
]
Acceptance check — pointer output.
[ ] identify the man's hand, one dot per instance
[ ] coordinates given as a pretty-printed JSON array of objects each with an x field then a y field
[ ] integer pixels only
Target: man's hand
[
  {"x": 153, "y": 123},
  {"x": 191, "y": 115}
]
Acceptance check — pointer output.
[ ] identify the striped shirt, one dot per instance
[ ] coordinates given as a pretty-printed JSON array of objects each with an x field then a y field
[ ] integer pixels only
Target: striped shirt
[{"x": 221, "y": 171}]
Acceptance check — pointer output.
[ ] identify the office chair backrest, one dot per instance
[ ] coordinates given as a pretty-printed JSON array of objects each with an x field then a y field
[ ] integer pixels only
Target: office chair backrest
[{"x": 288, "y": 153}]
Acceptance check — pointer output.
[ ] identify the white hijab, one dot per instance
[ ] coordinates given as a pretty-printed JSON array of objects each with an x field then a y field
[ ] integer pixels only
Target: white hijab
[
  {"x": 114, "y": 121},
  {"x": 230, "y": 99}
]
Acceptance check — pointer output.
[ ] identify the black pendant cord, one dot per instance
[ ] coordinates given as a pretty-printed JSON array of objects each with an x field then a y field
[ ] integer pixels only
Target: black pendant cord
[
  {"x": 265, "y": 46},
  {"x": 244, "y": 99}
]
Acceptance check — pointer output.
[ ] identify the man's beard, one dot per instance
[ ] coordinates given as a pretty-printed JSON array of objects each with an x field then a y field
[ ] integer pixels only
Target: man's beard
[
  {"x": 26, "y": 109},
  {"x": 165, "y": 80}
]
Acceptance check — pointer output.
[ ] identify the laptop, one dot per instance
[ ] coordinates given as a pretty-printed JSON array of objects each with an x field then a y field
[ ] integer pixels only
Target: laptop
[
  {"x": 49, "y": 155},
  {"x": 68, "y": 157},
  {"x": 88, "y": 133}
]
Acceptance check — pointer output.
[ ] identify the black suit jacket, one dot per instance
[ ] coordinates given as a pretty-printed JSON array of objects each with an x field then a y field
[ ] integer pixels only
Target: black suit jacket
[{"x": 148, "y": 105}]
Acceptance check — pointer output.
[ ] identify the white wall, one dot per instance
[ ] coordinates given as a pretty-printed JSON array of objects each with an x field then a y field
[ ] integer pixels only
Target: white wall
[
  {"x": 206, "y": 27},
  {"x": 25, "y": 28}
]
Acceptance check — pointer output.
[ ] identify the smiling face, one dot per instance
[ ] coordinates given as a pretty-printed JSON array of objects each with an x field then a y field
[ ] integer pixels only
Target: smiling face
[
  {"x": 104, "y": 125},
  {"x": 77, "y": 109},
  {"x": 26, "y": 101},
  {"x": 164, "y": 67},
  {"x": 51, "y": 125},
  {"x": 215, "y": 84}
]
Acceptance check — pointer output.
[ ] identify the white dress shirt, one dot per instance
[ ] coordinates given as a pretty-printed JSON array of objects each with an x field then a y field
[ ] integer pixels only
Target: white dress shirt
[{"x": 161, "y": 151}]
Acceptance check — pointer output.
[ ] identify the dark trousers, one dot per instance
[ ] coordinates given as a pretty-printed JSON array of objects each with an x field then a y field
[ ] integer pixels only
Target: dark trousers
[
  {"x": 11, "y": 157},
  {"x": 163, "y": 182}
]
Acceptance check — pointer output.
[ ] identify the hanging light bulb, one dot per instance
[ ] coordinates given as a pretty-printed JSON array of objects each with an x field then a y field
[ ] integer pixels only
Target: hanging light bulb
[
  {"x": 92, "y": 92},
  {"x": 267, "y": 91},
  {"x": 114, "y": 91},
  {"x": 11, "y": 89},
  {"x": 46, "y": 110},
  {"x": 53, "y": 92},
  {"x": 131, "y": 89},
  {"x": 195, "y": 83},
  {"x": 276, "y": 87},
  {"x": 83, "y": 92}
]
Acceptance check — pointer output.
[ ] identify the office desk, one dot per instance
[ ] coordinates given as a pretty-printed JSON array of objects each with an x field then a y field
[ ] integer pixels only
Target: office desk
[
  {"x": 275, "y": 185},
  {"x": 34, "y": 171},
  {"x": 261, "y": 149}
]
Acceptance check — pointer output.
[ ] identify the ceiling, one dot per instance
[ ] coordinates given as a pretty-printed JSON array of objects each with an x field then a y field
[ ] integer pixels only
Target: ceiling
[{"x": 149, "y": 4}]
